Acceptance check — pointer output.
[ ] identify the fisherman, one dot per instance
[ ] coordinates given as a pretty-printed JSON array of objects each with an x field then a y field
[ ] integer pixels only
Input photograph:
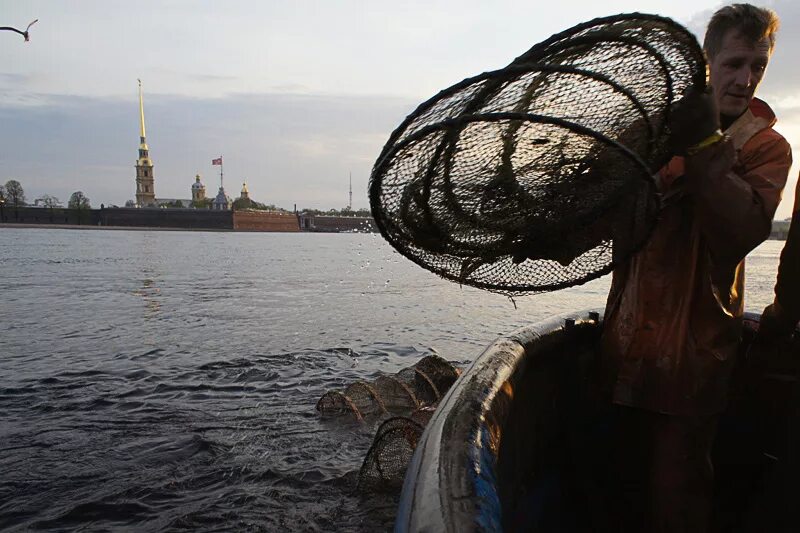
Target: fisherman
[
  {"x": 673, "y": 315},
  {"x": 779, "y": 320}
]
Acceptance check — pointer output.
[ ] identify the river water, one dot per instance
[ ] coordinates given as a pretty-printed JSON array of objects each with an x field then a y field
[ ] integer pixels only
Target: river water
[{"x": 154, "y": 380}]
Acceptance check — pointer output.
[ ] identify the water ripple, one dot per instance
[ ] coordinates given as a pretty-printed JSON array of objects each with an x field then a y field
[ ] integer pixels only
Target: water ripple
[{"x": 163, "y": 381}]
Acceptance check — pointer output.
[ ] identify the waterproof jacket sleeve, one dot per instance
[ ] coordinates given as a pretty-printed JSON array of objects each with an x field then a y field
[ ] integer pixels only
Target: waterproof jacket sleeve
[
  {"x": 735, "y": 209},
  {"x": 787, "y": 290}
]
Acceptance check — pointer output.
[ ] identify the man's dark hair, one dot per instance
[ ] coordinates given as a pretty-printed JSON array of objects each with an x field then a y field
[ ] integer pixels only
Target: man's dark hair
[{"x": 754, "y": 23}]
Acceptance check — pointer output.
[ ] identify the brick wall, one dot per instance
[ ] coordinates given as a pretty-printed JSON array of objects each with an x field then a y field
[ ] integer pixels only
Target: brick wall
[{"x": 265, "y": 221}]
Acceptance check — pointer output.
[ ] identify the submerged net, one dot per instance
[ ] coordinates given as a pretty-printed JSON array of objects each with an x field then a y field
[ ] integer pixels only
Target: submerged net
[
  {"x": 538, "y": 176},
  {"x": 414, "y": 392},
  {"x": 387, "y": 459},
  {"x": 411, "y": 389}
]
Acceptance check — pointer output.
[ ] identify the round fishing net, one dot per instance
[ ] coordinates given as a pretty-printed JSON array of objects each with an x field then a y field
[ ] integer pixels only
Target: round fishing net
[
  {"x": 413, "y": 392},
  {"x": 539, "y": 176},
  {"x": 409, "y": 391},
  {"x": 387, "y": 459}
]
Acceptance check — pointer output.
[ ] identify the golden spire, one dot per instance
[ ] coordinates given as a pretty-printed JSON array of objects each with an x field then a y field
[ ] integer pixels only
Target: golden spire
[{"x": 141, "y": 115}]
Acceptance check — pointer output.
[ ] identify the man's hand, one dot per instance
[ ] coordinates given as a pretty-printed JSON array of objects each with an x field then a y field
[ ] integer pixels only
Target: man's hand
[
  {"x": 710, "y": 163},
  {"x": 774, "y": 337},
  {"x": 692, "y": 119},
  {"x": 773, "y": 325}
]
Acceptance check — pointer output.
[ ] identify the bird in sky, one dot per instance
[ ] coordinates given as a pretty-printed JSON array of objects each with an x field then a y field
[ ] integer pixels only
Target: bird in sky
[{"x": 23, "y": 33}]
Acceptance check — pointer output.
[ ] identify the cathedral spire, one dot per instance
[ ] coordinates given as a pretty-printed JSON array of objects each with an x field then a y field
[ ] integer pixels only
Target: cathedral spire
[
  {"x": 145, "y": 183},
  {"x": 141, "y": 117}
]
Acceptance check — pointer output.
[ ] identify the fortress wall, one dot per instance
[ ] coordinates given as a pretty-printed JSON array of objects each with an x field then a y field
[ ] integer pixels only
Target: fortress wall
[
  {"x": 44, "y": 215},
  {"x": 336, "y": 224},
  {"x": 167, "y": 218},
  {"x": 265, "y": 221},
  {"x": 199, "y": 219}
]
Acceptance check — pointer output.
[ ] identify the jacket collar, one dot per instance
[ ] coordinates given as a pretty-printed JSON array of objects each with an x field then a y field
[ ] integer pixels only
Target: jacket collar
[{"x": 759, "y": 116}]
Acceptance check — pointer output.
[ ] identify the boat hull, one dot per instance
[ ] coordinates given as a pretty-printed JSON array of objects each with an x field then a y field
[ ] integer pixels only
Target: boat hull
[{"x": 520, "y": 441}]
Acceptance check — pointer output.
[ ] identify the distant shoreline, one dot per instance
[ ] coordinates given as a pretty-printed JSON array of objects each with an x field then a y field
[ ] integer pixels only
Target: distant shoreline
[
  {"x": 113, "y": 228},
  {"x": 184, "y": 219},
  {"x": 156, "y": 228},
  {"x": 25, "y": 225}
]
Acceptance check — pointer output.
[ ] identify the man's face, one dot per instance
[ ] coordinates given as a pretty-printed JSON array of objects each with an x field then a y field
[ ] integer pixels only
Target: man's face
[{"x": 736, "y": 71}]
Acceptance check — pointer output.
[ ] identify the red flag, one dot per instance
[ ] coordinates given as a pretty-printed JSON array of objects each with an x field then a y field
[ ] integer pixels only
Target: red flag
[{"x": 217, "y": 161}]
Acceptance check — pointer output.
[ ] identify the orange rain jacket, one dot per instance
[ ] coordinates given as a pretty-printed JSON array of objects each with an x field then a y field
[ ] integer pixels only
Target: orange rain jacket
[
  {"x": 787, "y": 289},
  {"x": 673, "y": 316}
]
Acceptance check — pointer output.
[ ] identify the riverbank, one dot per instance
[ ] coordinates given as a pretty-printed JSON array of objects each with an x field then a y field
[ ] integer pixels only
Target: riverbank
[
  {"x": 185, "y": 219},
  {"x": 87, "y": 227}
]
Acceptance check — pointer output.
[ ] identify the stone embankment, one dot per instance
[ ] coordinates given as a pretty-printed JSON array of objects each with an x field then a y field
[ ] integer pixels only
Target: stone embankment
[{"x": 183, "y": 219}]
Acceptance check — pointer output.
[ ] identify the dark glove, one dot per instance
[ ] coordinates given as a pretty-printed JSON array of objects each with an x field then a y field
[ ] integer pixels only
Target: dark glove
[
  {"x": 692, "y": 119},
  {"x": 774, "y": 326},
  {"x": 710, "y": 163}
]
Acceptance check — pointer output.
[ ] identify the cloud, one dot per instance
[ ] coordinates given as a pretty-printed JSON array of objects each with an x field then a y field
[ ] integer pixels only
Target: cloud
[
  {"x": 13, "y": 78},
  {"x": 294, "y": 88},
  {"x": 783, "y": 75},
  {"x": 202, "y": 78},
  {"x": 289, "y": 141},
  {"x": 291, "y": 149}
]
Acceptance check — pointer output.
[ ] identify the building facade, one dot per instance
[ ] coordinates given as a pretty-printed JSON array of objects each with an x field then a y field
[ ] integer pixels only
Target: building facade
[
  {"x": 179, "y": 203},
  {"x": 198, "y": 191},
  {"x": 222, "y": 202}
]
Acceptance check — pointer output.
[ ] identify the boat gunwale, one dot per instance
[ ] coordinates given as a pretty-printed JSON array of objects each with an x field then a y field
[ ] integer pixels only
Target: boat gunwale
[{"x": 469, "y": 413}]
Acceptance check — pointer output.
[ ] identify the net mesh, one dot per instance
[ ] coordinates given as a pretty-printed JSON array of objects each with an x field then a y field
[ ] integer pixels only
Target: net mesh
[
  {"x": 412, "y": 389},
  {"x": 538, "y": 176},
  {"x": 387, "y": 459},
  {"x": 413, "y": 392}
]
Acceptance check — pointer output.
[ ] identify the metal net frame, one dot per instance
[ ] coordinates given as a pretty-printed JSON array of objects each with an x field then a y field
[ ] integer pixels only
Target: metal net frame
[
  {"x": 409, "y": 391},
  {"x": 412, "y": 393},
  {"x": 386, "y": 461},
  {"x": 539, "y": 176}
]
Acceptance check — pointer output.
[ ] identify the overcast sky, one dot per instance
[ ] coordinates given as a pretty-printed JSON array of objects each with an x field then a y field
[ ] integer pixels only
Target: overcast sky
[{"x": 296, "y": 95}]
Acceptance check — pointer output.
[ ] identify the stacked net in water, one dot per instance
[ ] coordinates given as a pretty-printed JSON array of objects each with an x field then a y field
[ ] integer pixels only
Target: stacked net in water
[
  {"x": 414, "y": 392},
  {"x": 385, "y": 465},
  {"x": 413, "y": 388},
  {"x": 538, "y": 176}
]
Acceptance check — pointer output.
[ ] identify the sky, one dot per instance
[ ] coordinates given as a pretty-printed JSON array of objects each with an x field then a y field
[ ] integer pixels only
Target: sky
[{"x": 297, "y": 96}]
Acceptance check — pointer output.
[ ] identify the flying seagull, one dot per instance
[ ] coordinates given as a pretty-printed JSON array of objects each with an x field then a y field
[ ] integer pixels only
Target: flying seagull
[{"x": 23, "y": 33}]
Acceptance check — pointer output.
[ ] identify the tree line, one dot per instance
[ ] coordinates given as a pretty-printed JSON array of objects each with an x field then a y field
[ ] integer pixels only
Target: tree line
[{"x": 13, "y": 195}]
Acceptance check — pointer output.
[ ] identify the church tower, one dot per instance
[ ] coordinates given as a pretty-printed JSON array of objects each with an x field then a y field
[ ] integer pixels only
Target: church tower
[
  {"x": 198, "y": 191},
  {"x": 145, "y": 191}
]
